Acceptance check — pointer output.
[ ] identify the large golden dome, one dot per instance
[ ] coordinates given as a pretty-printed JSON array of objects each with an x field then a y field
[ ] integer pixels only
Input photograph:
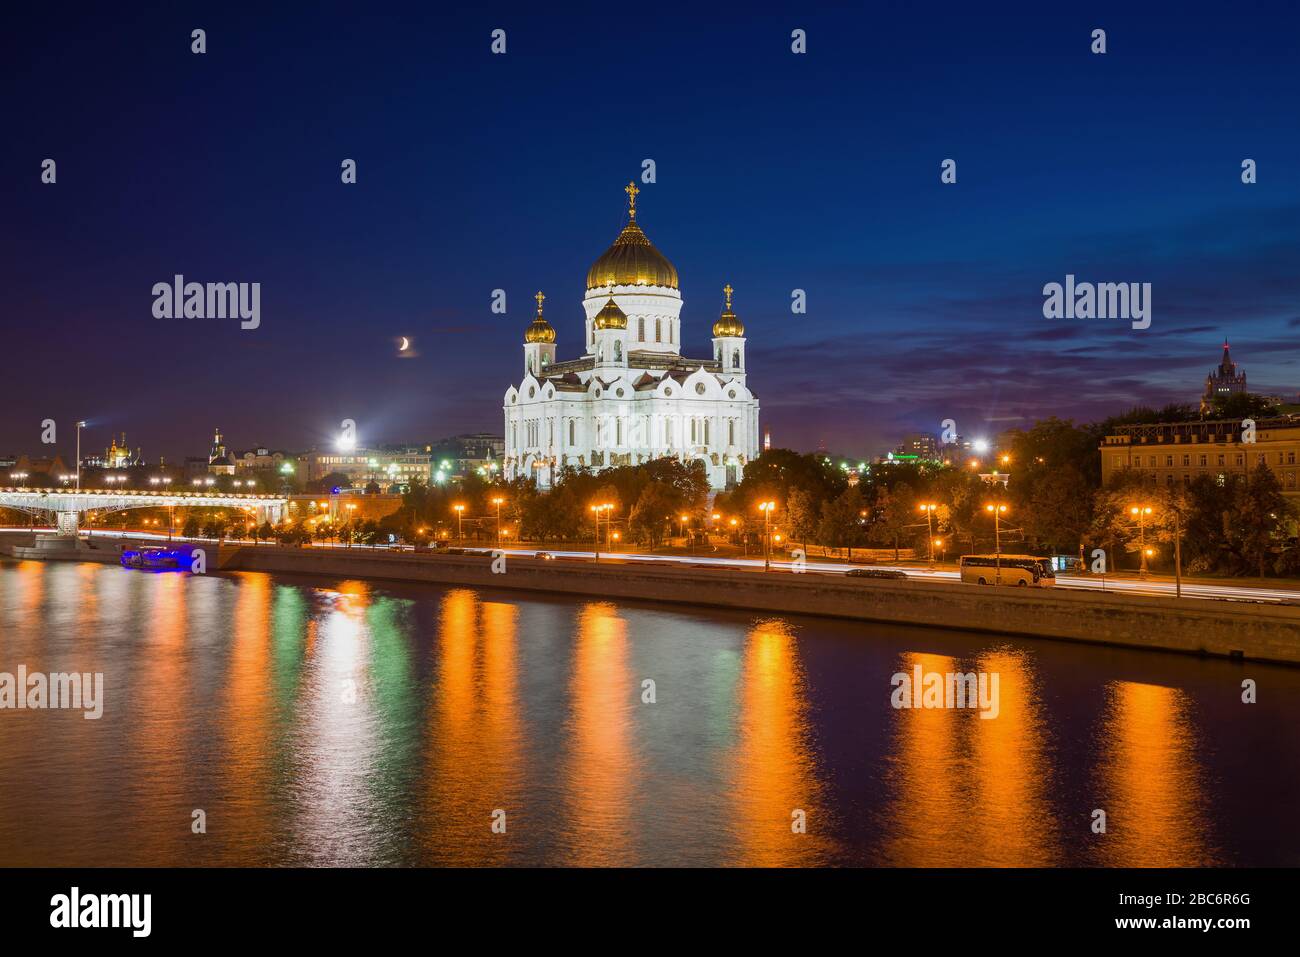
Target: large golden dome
[
  {"x": 539, "y": 330},
  {"x": 633, "y": 259},
  {"x": 728, "y": 323},
  {"x": 610, "y": 317}
]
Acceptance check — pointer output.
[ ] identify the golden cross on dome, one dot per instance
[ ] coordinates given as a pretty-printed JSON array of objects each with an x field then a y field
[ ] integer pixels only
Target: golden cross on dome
[
  {"x": 539, "y": 297},
  {"x": 727, "y": 290},
  {"x": 631, "y": 191}
]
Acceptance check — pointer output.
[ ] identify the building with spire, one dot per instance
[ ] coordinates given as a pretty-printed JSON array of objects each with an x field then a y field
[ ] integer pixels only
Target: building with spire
[
  {"x": 633, "y": 396},
  {"x": 220, "y": 461},
  {"x": 118, "y": 455},
  {"x": 1222, "y": 381}
]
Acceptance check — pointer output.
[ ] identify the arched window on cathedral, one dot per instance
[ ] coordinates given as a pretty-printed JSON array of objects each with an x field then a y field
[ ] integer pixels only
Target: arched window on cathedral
[
  {"x": 571, "y": 432},
  {"x": 618, "y": 351},
  {"x": 731, "y": 431},
  {"x": 706, "y": 431},
  {"x": 641, "y": 322},
  {"x": 735, "y": 359},
  {"x": 693, "y": 439},
  {"x": 618, "y": 431},
  {"x": 658, "y": 336}
]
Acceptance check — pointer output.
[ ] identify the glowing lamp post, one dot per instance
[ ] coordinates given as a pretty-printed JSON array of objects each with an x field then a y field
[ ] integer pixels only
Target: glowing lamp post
[
  {"x": 80, "y": 426},
  {"x": 1140, "y": 512},
  {"x": 497, "y": 500},
  {"x": 929, "y": 509},
  {"x": 597, "y": 511},
  {"x": 997, "y": 510},
  {"x": 767, "y": 508},
  {"x": 460, "y": 528}
]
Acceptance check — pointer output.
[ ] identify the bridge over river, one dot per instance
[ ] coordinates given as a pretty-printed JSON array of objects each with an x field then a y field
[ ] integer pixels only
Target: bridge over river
[{"x": 69, "y": 505}]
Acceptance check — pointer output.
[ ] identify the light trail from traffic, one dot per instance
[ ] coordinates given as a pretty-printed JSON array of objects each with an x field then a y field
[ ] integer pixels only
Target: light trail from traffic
[{"x": 1157, "y": 589}]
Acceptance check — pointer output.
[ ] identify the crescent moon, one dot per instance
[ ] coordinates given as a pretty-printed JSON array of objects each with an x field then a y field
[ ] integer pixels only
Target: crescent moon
[{"x": 405, "y": 345}]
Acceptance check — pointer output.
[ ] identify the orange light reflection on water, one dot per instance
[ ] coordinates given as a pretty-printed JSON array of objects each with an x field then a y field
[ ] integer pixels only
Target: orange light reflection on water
[
  {"x": 775, "y": 772},
  {"x": 1149, "y": 782}
]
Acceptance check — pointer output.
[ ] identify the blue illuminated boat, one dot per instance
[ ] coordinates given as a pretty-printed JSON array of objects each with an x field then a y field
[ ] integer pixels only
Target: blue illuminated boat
[{"x": 157, "y": 559}]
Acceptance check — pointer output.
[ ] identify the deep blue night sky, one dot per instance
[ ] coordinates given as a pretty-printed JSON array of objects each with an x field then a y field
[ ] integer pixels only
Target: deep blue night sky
[{"x": 775, "y": 172}]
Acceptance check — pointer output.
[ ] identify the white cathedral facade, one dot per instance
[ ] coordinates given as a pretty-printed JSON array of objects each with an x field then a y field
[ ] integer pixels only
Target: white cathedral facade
[{"x": 632, "y": 396}]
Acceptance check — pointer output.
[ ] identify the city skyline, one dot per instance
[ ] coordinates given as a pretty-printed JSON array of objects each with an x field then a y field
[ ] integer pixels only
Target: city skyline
[
  {"x": 563, "y": 439},
  {"x": 924, "y": 299}
]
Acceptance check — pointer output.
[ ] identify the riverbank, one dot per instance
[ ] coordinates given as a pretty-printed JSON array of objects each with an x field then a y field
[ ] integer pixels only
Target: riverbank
[{"x": 1245, "y": 630}]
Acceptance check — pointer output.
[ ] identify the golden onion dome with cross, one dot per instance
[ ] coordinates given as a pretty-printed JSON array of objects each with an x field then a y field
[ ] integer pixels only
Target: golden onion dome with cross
[
  {"x": 610, "y": 317},
  {"x": 539, "y": 330},
  {"x": 633, "y": 259},
  {"x": 728, "y": 324}
]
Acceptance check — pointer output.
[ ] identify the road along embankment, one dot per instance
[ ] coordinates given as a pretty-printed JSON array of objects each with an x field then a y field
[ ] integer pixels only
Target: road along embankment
[{"x": 1259, "y": 632}]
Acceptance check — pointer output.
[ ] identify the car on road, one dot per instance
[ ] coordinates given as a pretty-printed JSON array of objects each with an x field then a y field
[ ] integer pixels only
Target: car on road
[
  {"x": 875, "y": 573},
  {"x": 545, "y": 556}
]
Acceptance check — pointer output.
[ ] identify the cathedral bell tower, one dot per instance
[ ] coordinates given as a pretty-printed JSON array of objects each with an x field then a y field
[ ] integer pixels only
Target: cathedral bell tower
[
  {"x": 610, "y": 329},
  {"x": 729, "y": 340},
  {"x": 539, "y": 343}
]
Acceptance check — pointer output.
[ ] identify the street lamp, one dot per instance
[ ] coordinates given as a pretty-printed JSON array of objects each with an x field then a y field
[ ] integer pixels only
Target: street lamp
[
  {"x": 497, "y": 500},
  {"x": 997, "y": 510},
  {"x": 80, "y": 426},
  {"x": 1141, "y": 512},
  {"x": 460, "y": 529},
  {"x": 766, "y": 508},
  {"x": 596, "y": 511},
  {"x": 929, "y": 509}
]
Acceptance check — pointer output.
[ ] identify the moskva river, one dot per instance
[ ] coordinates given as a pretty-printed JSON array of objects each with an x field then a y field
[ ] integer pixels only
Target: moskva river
[{"x": 253, "y": 719}]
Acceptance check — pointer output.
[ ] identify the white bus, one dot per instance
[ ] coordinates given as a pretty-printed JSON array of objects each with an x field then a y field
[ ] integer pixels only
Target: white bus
[{"x": 1021, "y": 570}]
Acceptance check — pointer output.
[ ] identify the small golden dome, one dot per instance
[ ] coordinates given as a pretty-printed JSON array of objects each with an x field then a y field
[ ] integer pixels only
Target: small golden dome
[
  {"x": 610, "y": 317},
  {"x": 633, "y": 259},
  {"x": 539, "y": 330},
  {"x": 728, "y": 323}
]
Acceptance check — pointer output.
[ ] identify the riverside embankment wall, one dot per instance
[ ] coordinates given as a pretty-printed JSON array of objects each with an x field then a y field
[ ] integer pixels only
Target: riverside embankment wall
[{"x": 1259, "y": 632}]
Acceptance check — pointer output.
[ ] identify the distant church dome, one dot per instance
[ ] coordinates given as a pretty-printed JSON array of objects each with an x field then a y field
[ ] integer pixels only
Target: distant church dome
[
  {"x": 728, "y": 323},
  {"x": 539, "y": 330},
  {"x": 633, "y": 259},
  {"x": 610, "y": 317}
]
